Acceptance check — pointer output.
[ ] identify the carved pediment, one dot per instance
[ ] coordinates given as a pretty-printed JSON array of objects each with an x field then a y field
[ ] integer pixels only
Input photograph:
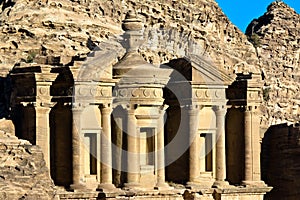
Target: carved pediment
[
  {"x": 98, "y": 65},
  {"x": 204, "y": 73},
  {"x": 199, "y": 71}
]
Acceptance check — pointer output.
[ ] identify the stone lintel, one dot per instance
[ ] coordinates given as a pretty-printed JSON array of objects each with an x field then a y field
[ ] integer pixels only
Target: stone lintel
[
  {"x": 104, "y": 82},
  {"x": 93, "y": 101},
  {"x": 139, "y": 101},
  {"x": 254, "y": 184},
  {"x": 261, "y": 190},
  {"x": 147, "y": 116}
]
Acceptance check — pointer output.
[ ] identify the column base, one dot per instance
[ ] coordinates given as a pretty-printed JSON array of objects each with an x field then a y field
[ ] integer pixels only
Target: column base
[
  {"x": 221, "y": 184},
  {"x": 163, "y": 186},
  {"x": 109, "y": 188},
  {"x": 129, "y": 186},
  {"x": 254, "y": 184},
  {"x": 78, "y": 187},
  {"x": 199, "y": 185},
  {"x": 105, "y": 186}
]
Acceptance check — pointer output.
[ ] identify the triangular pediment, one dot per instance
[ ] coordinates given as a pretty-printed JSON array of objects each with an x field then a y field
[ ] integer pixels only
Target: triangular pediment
[
  {"x": 204, "y": 72},
  {"x": 199, "y": 71}
]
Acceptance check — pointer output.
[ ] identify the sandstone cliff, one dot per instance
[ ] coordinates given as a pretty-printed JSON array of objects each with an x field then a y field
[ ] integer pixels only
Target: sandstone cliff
[
  {"x": 276, "y": 36},
  {"x": 59, "y": 32},
  {"x": 24, "y": 174}
]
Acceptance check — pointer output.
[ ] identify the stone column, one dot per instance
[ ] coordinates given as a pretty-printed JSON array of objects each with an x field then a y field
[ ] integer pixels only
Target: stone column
[
  {"x": 43, "y": 130},
  {"x": 220, "y": 112},
  {"x": 117, "y": 151},
  {"x": 248, "y": 145},
  {"x": 252, "y": 147},
  {"x": 133, "y": 156},
  {"x": 161, "y": 150},
  {"x": 106, "y": 151},
  {"x": 77, "y": 150},
  {"x": 194, "y": 155}
]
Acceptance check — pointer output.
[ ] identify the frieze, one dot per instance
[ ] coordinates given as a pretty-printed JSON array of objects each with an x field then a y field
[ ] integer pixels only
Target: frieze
[
  {"x": 209, "y": 94},
  {"x": 136, "y": 93},
  {"x": 43, "y": 90},
  {"x": 105, "y": 91},
  {"x": 122, "y": 93},
  {"x": 139, "y": 93},
  {"x": 82, "y": 91},
  {"x": 199, "y": 93},
  {"x": 253, "y": 95},
  {"x": 158, "y": 93},
  {"x": 146, "y": 92},
  {"x": 92, "y": 91}
]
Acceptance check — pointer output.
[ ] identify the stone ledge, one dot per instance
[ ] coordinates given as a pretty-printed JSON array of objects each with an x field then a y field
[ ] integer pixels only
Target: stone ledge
[{"x": 238, "y": 190}]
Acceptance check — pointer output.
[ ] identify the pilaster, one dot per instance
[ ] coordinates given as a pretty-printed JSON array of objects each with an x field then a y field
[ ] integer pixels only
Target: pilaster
[
  {"x": 43, "y": 107},
  {"x": 43, "y": 129},
  {"x": 252, "y": 146}
]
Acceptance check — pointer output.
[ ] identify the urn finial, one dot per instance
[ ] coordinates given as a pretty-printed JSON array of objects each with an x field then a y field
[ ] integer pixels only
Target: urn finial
[{"x": 132, "y": 26}]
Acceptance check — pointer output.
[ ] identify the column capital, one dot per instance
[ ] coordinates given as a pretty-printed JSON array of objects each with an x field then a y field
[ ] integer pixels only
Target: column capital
[
  {"x": 130, "y": 108},
  {"x": 254, "y": 110},
  {"x": 105, "y": 108},
  {"x": 79, "y": 106},
  {"x": 162, "y": 109},
  {"x": 219, "y": 108},
  {"x": 44, "y": 104},
  {"x": 23, "y": 103},
  {"x": 192, "y": 108}
]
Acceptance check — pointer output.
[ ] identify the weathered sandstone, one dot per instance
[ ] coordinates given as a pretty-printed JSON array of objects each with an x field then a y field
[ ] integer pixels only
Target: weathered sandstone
[{"x": 276, "y": 35}]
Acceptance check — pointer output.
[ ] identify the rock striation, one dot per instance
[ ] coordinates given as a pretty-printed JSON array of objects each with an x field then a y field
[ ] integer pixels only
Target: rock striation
[
  {"x": 60, "y": 32},
  {"x": 24, "y": 174},
  {"x": 276, "y": 36}
]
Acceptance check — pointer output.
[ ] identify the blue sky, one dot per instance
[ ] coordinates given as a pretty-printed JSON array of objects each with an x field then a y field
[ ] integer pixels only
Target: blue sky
[{"x": 241, "y": 12}]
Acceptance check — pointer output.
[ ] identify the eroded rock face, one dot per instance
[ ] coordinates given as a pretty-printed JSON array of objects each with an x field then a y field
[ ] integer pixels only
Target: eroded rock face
[
  {"x": 52, "y": 32},
  {"x": 280, "y": 161},
  {"x": 277, "y": 34},
  {"x": 24, "y": 174},
  {"x": 59, "y": 32}
]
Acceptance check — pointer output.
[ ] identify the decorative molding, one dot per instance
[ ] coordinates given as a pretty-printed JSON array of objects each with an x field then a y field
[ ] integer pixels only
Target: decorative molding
[
  {"x": 139, "y": 93},
  {"x": 92, "y": 91},
  {"x": 209, "y": 94}
]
